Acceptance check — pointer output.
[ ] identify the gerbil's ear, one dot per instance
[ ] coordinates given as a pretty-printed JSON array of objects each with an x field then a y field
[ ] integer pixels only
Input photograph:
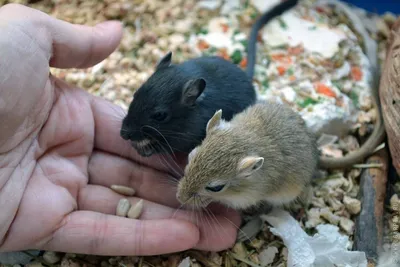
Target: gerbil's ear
[
  {"x": 164, "y": 61},
  {"x": 192, "y": 90},
  {"x": 214, "y": 121},
  {"x": 250, "y": 164},
  {"x": 192, "y": 154}
]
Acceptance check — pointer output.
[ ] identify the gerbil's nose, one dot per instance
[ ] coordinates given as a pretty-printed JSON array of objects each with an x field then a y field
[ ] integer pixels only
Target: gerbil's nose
[{"x": 182, "y": 198}]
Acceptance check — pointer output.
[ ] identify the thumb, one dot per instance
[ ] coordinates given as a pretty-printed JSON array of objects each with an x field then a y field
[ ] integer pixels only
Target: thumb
[
  {"x": 70, "y": 45},
  {"x": 80, "y": 46}
]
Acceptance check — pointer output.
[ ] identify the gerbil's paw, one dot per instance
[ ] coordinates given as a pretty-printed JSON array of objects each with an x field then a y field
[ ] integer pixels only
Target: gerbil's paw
[
  {"x": 264, "y": 208},
  {"x": 250, "y": 229}
]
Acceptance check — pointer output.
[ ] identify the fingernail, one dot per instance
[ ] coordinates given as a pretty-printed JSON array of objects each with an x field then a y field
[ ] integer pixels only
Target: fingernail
[{"x": 109, "y": 24}]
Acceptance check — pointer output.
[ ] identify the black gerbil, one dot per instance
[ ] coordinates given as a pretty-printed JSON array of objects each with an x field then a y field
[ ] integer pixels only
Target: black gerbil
[{"x": 171, "y": 109}]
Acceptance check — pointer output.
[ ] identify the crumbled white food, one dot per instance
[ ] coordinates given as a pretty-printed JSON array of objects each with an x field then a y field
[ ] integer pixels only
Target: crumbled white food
[
  {"x": 320, "y": 39},
  {"x": 327, "y": 118},
  {"x": 342, "y": 72},
  {"x": 289, "y": 94},
  {"x": 267, "y": 256},
  {"x": 262, "y": 5},
  {"x": 209, "y": 4}
]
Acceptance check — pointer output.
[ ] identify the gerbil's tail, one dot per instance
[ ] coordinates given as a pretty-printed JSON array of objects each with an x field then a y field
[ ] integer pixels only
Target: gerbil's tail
[
  {"x": 379, "y": 133},
  {"x": 374, "y": 140},
  {"x": 356, "y": 157},
  {"x": 261, "y": 21}
]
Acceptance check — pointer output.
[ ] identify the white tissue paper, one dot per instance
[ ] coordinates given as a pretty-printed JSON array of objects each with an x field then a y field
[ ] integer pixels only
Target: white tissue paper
[{"x": 327, "y": 248}]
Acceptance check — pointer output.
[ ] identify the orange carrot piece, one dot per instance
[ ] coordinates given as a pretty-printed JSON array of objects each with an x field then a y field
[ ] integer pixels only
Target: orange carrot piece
[
  {"x": 292, "y": 78},
  {"x": 297, "y": 50},
  {"x": 324, "y": 89},
  {"x": 282, "y": 58},
  {"x": 202, "y": 45},
  {"x": 356, "y": 73},
  {"x": 281, "y": 70},
  {"x": 243, "y": 63},
  {"x": 223, "y": 53},
  {"x": 225, "y": 27}
]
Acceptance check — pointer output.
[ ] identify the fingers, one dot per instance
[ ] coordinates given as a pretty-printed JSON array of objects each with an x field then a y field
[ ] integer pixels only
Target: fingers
[
  {"x": 87, "y": 232},
  {"x": 218, "y": 226},
  {"x": 108, "y": 119},
  {"x": 107, "y": 169},
  {"x": 70, "y": 45}
]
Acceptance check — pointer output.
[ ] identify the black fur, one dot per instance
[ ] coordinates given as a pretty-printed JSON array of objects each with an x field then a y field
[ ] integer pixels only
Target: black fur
[
  {"x": 185, "y": 96},
  {"x": 225, "y": 86}
]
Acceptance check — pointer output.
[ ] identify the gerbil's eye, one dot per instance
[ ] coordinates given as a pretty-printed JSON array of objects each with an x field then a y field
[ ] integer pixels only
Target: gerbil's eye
[
  {"x": 160, "y": 116},
  {"x": 216, "y": 188}
]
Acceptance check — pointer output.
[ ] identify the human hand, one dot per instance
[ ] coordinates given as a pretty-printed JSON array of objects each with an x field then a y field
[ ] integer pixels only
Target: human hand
[{"x": 60, "y": 150}]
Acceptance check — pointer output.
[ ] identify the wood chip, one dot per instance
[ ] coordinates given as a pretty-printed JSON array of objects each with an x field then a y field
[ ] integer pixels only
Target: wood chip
[
  {"x": 185, "y": 262},
  {"x": 51, "y": 257},
  {"x": 352, "y": 205},
  {"x": 123, "y": 190},
  {"x": 135, "y": 211},
  {"x": 123, "y": 207},
  {"x": 267, "y": 256}
]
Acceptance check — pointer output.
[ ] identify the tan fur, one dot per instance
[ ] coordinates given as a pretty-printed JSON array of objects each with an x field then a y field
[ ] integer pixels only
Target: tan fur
[{"x": 265, "y": 130}]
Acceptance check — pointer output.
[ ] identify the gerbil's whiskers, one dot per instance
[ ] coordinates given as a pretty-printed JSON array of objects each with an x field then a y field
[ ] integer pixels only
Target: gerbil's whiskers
[
  {"x": 186, "y": 138},
  {"x": 178, "y": 209},
  {"x": 159, "y": 157},
  {"x": 240, "y": 230},
  {"x": 178, "y": 172},
  {"x": 174, "y": 132},
  {"x": 213, "y": 226},
  {"x": 169, "y": 166},
  {"x": 148, "y": 126},
  {"x": 213, "y": 217}
]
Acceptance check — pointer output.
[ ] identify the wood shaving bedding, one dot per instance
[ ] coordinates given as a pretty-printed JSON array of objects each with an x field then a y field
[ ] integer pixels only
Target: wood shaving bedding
[{"x": 327, "y": 85}]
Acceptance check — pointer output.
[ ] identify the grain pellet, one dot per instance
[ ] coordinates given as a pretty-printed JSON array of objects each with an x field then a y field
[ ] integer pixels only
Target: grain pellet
[
  {"x": 123, "y": 207},
  {"x": 123, "y": 190},
  {"x": 135, "y": 211}
]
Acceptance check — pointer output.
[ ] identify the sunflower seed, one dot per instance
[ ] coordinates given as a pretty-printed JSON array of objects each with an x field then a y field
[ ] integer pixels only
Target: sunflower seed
[
  {"x": 123, "y": 190},
  {"x": 123, "y": 207},
  {"x": 135, "y": 211}
]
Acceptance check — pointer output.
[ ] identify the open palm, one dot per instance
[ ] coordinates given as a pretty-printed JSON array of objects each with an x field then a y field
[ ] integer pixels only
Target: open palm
[{"x": 60, "y": 151}]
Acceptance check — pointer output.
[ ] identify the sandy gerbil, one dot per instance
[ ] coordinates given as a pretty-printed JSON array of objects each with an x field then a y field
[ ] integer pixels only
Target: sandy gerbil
[{"x": 265, "y": 154}]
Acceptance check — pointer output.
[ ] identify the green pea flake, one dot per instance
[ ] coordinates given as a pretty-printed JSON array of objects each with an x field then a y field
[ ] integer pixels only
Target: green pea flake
[
  {"x": 236, "y": 32},
  {"x": 236, "y": 57},
  {"x": 254, "y": 15},
  {"x": 354, "y": 97},
  {"x": 337, "y": 84},
  {"x": 312, "y": 28},
  {"x": 306, "y": 102},
  {"x": 282, "y": 23},
  {"x": 282, "y": 46},
  {"x": 244, "y": 43},
  {"x": 210, "y": 51},
  {"x": 290, "y": 71},
  {"x": 265, "y": 83},
  {"x": 203, "y": 31}
]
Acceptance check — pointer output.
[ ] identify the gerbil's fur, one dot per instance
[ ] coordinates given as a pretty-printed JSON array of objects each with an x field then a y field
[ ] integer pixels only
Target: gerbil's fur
[
  {"x": 264, "y": 154},
  {"x": 170, "y": 110}
]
